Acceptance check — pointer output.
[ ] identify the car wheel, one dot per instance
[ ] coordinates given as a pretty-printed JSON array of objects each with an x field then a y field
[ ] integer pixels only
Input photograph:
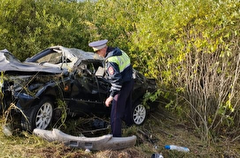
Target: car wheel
[
  {"x": 41, "y": 115},
  {"x": 139, "y": 114}
]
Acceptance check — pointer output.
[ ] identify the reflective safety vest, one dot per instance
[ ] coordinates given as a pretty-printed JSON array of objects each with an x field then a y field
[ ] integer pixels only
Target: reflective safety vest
[{"x": 122, "y": 61}]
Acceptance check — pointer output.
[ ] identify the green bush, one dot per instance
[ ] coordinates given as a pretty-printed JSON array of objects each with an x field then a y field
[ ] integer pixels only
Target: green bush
[
  {"x": 28, "y": 26},
  {"x": 190, "y": 47}
]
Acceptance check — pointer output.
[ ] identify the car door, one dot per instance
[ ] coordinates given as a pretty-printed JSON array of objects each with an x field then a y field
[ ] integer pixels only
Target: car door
[{"x": 88, "y": 93}]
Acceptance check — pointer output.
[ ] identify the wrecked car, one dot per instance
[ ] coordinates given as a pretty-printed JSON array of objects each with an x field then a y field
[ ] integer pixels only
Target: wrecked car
[{"x": 58, "y": 79}]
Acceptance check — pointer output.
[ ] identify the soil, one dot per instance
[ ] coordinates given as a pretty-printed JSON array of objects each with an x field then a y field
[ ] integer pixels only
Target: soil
[{"x": 161, "y": 128}]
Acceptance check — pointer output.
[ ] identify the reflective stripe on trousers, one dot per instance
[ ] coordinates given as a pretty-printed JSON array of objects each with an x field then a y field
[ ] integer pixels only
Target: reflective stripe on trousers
[{"x": 122, "y": 109}]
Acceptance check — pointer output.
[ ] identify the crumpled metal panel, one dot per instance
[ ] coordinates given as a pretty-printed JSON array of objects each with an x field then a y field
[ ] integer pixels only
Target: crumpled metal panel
[
  {"x": 74, "y": 52},
  {"x": 8, "y": 63},
  {"x": 105, "y": 142}
]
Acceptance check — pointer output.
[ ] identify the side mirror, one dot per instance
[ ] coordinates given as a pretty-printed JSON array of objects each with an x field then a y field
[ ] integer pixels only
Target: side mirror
[{"x": 100, "y": 72}]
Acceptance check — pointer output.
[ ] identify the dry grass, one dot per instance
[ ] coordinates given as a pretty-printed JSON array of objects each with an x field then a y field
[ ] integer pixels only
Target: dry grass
[{"x": 160, "y": 129}]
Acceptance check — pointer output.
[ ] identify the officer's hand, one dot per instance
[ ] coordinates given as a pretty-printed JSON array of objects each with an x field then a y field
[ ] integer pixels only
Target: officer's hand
[{"x": 108, "y": 101}]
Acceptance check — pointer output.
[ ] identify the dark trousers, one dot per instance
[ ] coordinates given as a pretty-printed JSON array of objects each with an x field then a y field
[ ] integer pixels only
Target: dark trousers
[{"x": 122, "y": 109}]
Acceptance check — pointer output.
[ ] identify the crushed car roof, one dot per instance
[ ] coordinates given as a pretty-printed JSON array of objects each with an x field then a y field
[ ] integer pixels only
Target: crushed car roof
[
  {"x": 72, "y": 55},
  {"x": 74, "y": 52},
  {"x": 8, "y": 63}
]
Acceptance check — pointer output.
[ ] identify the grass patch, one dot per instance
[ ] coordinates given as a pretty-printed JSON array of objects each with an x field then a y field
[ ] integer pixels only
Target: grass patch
[{"x": 159, "y": 130}]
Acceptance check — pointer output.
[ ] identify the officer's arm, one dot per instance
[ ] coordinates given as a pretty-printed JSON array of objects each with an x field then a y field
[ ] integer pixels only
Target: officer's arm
[{"x": 115, "y": 78}]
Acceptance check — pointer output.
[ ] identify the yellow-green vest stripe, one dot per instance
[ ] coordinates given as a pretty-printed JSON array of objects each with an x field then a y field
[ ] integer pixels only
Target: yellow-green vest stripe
[{"x": 122, "y": 61}]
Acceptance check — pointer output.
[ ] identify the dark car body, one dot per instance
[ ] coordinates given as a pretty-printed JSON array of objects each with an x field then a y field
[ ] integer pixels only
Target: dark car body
[{"x": 69, "y": 75}]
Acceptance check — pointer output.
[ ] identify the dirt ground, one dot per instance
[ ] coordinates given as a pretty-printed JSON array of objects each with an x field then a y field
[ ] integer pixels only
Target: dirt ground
[
  {"x": 160, "y": 129},
  {"x": 166, "y": 129}
]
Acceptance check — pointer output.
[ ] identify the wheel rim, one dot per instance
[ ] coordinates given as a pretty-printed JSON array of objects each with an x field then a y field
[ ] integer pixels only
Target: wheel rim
[
  {"x": 44, "y": 116},
  {"x": 139, "y": 114}
]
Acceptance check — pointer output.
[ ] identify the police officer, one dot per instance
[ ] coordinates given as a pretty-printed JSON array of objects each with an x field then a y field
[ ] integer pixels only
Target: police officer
[{"x": 119, "y": 73}]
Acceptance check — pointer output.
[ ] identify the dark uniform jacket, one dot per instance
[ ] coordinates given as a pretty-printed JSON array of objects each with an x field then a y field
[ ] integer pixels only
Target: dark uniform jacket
[{"x": 118, "y": 69}]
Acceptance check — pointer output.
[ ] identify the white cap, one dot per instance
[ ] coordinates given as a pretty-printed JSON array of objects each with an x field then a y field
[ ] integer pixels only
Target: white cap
[{"x": 97, "y": 45}]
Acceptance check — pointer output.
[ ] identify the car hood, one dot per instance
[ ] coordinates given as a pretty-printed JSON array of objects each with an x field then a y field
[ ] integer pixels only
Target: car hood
[{"x": 8, "y": 63}]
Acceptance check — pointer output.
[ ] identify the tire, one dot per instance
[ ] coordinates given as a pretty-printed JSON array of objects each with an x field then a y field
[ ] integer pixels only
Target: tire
[
  {"x": 41, "y": 115},
  {"x": 139, "y": 114}
]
